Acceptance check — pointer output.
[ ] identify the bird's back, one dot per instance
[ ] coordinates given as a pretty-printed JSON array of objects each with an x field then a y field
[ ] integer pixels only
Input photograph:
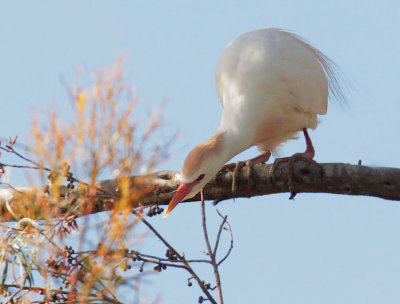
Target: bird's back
[{"x": 272, "y": 71}]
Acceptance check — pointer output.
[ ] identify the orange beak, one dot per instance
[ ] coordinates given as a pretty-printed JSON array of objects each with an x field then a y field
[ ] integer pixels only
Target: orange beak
[{"x": 183, "y": 190}]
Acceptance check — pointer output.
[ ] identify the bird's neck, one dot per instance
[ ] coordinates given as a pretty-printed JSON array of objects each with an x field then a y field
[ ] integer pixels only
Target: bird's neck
[
  {"x": 231, "y": 138},
  {"x": 234, "y": 142},
  {"x": 209, "y": 157},
  {"x": 237, "y": 124}
]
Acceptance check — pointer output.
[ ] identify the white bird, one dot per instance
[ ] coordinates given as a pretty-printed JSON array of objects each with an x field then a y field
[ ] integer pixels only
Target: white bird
[{"x": 271, "y": 84}]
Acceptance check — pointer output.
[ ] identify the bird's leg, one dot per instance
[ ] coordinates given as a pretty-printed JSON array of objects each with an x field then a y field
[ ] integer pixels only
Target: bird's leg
[
  {"x": 264, "y": 157},
  {"x": 307, "y": 156},
  {"x": 310, "y": 152}
]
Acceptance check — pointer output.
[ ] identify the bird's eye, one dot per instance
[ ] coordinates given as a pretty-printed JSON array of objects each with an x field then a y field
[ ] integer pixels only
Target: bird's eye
[{"x": 200, "y": 177}]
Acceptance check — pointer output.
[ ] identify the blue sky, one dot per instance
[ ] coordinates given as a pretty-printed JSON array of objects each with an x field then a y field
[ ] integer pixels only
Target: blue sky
[{"x": 317, "y": 249}]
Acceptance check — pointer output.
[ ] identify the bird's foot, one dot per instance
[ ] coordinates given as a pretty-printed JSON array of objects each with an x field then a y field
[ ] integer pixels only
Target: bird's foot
[
  {"x": 239, "y": 165},
  {"x": 306, "y": 156},
  {"x": 249, "y": 166}
]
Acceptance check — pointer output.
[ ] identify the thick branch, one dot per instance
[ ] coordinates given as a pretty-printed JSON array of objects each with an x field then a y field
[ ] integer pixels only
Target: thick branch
[{"x": 336, "y": 178}]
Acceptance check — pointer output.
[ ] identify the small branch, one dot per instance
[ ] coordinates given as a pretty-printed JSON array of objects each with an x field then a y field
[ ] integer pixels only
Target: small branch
[
  {"x": 219, "y": 232},
  {"x": 203, "y": 219},
  {"x": 21, "y": 166},
  {"x": 165, "y": 260},
  {"x": 43, "y": 290},
  {"x": 180, "y": 257},
  {"x": 211, "y": 254},
  {"x": 10, "y": 149},
  {"x": 231, "y": 237},
  {"x": 11, "y": 187}
]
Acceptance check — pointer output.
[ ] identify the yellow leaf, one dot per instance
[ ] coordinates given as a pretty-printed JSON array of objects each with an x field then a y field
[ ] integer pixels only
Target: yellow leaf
[{"x": 81, "y": 101}]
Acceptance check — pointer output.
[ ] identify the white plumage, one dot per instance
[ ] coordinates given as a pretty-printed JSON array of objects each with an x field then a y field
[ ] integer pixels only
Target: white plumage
[{"x": 271, "y": 85}]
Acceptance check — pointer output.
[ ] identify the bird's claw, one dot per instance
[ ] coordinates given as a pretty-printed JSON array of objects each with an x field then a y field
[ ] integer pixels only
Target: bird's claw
[
  {"x": 290, "y": 164},
  {"x": 249, "y": 165},
  {"x": 238, "y": 166},
  {"x": 249, "y": 168}
]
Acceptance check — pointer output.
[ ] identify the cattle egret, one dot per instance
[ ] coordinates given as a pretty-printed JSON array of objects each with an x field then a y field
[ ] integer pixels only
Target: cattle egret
[{"x": 271, "y": 84}]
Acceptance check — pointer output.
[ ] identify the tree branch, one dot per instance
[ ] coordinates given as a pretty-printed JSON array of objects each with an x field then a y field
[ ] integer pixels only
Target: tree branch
[{"x": 158, "y": 188}]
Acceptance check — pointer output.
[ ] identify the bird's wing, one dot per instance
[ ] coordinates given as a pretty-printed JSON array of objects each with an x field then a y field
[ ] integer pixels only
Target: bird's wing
[
  {"x": 309, "y": 75},
  {"x": 281, "y": 64},
  {"x": 219, "y": 88}
]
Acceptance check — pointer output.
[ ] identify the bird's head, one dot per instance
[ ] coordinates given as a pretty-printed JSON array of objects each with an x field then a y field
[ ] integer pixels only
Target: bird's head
[{"x": 201, "y": 165}]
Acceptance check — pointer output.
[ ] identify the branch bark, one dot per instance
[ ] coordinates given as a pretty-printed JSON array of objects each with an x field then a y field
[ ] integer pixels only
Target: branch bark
[{"x": 158, "y": 188}]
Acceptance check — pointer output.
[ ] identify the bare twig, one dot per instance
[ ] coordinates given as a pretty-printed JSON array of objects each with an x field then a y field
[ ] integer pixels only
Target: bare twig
[
  {"x": 211, "y": 253},
  {"x": 204, "y": 224},
  {"x": 10, "y": 149},
  {"x": 11, "y": 187},
  {"x": 219, "y": 232},
  {"x": 36, "y": 289},
  {"x": 180, "y": 257},
  {"x": 21, "y": 166},
  {"x": 231, "y": 237}
]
